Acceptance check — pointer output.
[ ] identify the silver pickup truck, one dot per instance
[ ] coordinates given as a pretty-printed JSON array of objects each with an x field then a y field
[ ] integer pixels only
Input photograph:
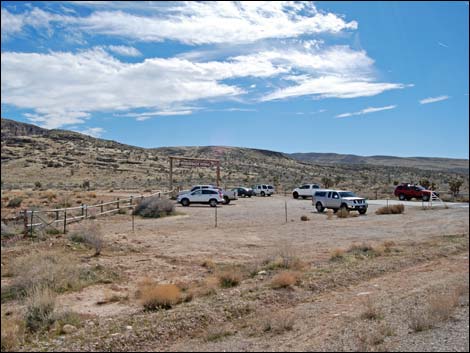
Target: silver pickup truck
[
  {"x": 227, "y": 194},
  {"x": 337, "y": 199}
]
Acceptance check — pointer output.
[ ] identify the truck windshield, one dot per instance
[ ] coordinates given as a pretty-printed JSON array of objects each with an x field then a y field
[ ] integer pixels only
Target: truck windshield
[{"x": 347, "y": 194}]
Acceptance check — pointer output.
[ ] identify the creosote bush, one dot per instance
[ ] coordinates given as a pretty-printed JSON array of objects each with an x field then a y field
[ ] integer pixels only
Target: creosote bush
[
  {"x": 154, "y": 207},
  {"x": 394, "y": 209}
]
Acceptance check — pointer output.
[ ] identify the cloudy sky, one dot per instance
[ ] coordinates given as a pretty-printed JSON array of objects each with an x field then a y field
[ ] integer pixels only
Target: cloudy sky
[{"x": 365, "y": 78}]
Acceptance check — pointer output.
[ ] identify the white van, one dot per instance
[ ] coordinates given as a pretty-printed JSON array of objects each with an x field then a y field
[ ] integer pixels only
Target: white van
[{"x": 263, "y": 190}]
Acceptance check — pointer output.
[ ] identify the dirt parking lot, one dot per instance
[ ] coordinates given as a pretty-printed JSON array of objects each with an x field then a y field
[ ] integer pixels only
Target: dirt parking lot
[{"x": 427, "y": 252}]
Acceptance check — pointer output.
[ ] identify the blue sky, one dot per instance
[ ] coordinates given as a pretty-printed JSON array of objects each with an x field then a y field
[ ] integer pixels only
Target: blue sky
[{"x": 367, "y": 78}]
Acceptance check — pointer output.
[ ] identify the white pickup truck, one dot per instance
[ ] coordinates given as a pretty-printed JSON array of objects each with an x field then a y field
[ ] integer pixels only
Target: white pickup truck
[
  {"x": 227, "y": 194},
  {"x": 305, "y": 191}
]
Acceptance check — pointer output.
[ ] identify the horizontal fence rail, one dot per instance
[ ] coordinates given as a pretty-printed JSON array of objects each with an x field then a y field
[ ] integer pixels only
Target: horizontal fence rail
[{"x": 63, "y": 216}]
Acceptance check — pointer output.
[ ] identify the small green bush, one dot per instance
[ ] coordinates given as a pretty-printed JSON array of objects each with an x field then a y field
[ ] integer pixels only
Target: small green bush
[
  {"x": 40, "y": 309},
  {"x": 16, "y": 202}
]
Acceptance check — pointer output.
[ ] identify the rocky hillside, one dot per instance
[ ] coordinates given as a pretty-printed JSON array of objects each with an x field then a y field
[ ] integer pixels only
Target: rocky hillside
[{"x": 65, "y": 159}]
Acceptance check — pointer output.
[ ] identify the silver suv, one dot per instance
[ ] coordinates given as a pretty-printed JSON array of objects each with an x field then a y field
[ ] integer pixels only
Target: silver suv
[{"x": 337, "y": 199}]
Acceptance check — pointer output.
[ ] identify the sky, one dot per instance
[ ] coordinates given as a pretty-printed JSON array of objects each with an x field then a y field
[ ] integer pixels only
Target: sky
[{"x": 366, "y": 78}]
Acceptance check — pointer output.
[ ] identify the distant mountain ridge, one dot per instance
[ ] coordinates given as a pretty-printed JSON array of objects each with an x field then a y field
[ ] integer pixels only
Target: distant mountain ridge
[{"x": 429, "y": 163}]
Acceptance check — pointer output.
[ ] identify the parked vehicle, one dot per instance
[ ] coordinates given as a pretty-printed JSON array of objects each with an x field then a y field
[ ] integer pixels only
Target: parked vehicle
[
  {"x": 243, "y": 192},
  {"x": 196, "y": 187},
  {"x": 338, "y": 199},
  {"x": 305, "y": 191},
  {"x": 262, "y": 190},
  {"x": 210, "y": 196},
  {"x": 228, "y": 195},
  {"x": 270, "y": 187},
  {"x": 408, "y": 191}
]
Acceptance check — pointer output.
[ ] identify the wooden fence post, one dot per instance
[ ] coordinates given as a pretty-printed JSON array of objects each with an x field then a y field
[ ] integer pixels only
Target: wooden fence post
[
  {"x": 118, "y": 203},
  {"x": 86, "y": 211},
  {"x": 215, "y": 217},
  {"x": 32, "y": 217},
  {"x": 101, "y": 206},
  {"x": 130, "y": 202},
  {"x": 25, "y": 219},
  {"x": 132, "y": 212},
  {"x": 83, "y": 210},
  {"x": 65, "y": 221},
  {"x": 285, "y": 207},
  {"x": 56, "y": 215}
]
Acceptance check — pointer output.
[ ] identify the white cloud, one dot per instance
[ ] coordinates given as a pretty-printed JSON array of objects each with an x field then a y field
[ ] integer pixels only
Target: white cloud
[
  {"x": 124, "y": 50},
  {"x": 218, "y": 22},
  {"x": 333, "y": 87},
  {"x": 443, "y": 45},
  {"x": 10, "y": 23},
  {"x": 93, "y": 131},
  {"x": 366, "y": 111},
  {"x": 433, "y": 99},
  {"x": 196, "y": 22}
]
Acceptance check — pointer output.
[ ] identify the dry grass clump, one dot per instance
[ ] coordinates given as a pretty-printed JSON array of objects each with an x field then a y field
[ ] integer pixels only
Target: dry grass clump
[
  {"x": 337, "y": 254},
  {"x": 229, "y": 278},
  {"x": 342, "y": 213},
  {"x": 372, "y": 338},
  {"x": 438, "y": 308},
  {"x": 53, "y": 270},
  {"x": 13, "y": 330},
  {"x": 394, "y": 209},
  {"x": 364, "y": 250},
  {"x": 274, "y": 322},
  {"x": 285, "y": 258},
  {"x": 206, "y": 288},
  {"x": 285, "y": 280},
  {"x": 304, "y": 218},
  {"x": 89, "y": 234},
  {"x": 40, "y": 309},
  {"x": 371, "y": 311},
  {"x": 155, "y": 296},
  {"x": 154, "y": 207},
  {"x": 216, "y": 333},
  {"x": 329, "y": 214}
]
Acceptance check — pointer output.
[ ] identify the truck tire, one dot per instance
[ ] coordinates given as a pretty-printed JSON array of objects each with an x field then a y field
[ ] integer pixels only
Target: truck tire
[
  {"x": 185, "y": 202},
  {"x": 402, "y": 197},
  {"x": 263, "y": 193},
  {"x": 425, "y": 198},
  {"x": 319, "y": 207},
  {"x": 304, "y": 197},
  {"x": 226, "y": 199},
  {"x": 363, "y": 211},
  {"x": 295, "y": 195},
  {"x": 213, "y": 202}
]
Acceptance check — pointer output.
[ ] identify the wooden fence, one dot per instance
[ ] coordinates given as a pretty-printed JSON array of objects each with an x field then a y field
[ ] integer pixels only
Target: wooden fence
[{"x": 59, "y": 218}]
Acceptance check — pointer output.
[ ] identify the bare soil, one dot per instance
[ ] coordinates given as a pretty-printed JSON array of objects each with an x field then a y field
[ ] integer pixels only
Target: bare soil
[{"x": 428, "y": 252}]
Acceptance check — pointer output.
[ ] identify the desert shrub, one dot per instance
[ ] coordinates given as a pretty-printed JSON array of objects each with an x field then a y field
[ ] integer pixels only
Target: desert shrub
[
  {"x": 12, "y": 333},
  {"x": 216, "y": 333},
  {"x": 364, "y": 250},
  {"x": 304, "y": 218},
  {"x": 329, "y": 214},
  {"x": 285, "y": 258},
  {"x": 154, "y": 207},
  {"x": 394, "y": 209},
  {"x": 122, "y": 211},
  {"x": 284, "y": 280},
  {"x": 15, "y": 202},
  {"x": 342, "y": 213},
  {"x": 229, "y": 278},
  {"x": 90, "y": 234},
  {"x": 37, "y": 184},
  {"x": 40, "y": 309},
  {"x": 371, "y": 311},
  {"x": 6, "y": 231},
  {"x": 276, "y": 323},
  {"x": 158, "y": 296},
  {"x": 337, "y": 254}
]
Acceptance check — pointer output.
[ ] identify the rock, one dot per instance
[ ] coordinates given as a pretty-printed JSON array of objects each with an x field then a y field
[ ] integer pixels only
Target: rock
[
  {"x": 68, "y": 329},
  {"x": 262, "y": 273},
  {"x": 128, "y": 328}
]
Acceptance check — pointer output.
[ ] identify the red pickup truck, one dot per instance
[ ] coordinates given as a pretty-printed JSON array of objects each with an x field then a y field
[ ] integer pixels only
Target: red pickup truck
[{"x": 408, "y": 191}]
